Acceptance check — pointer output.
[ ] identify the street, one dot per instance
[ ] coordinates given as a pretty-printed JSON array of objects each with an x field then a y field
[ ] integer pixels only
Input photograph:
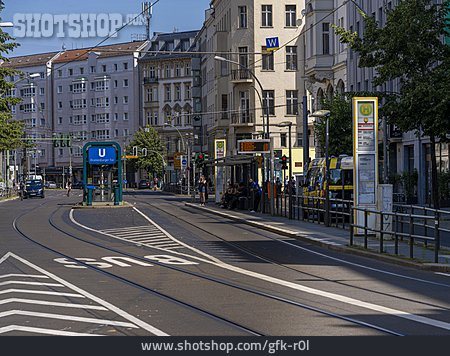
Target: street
[{"x": 156, "y": 267}]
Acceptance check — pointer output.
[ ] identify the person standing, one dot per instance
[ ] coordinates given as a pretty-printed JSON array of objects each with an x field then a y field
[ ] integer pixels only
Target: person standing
[
  {"x": 21, "y": 190},
  {"x": 202, "y": 190},
  {"x": 69, "y": 188}
]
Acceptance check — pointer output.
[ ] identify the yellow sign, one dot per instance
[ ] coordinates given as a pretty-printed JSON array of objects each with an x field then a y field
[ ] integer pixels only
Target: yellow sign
[{"x": 177, "y": 160}]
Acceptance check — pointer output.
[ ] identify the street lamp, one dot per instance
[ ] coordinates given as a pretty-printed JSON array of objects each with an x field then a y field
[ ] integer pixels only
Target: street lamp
[
  {"x": 289, "y": 124},
  {"x": 326, "y": 114}
]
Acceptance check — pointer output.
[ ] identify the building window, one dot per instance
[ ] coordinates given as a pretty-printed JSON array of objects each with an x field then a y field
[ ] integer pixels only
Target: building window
[
  {"x": 60, "y": 105},
  {"x": 326, "y": 38},
  {"x": 187, "y": 70},
  {"x": 116, "y": 116},
  {"x": 70, "y": 71},
  {"x": 60, "y": 152},
  {"x": 291, "y": 15},
  {"x": 244, "y": 107},
  {"x": 177, "y": 70},
  {"x": 168, "y": 93},
  {"x": 269, "y": 101},
  {"x": 116, "y": 100},
  {"x": 125, "y": 83},
  {"x": 125, "y": 66},
  {"x": 187, "y": 91},
  {"x": 167, "y": 71},
  {"x": 104, "y": 68},
  {"x": 81, "y": 70},
  {"x": 267, "y": 59},
  {"x": 291, "y": 58},
  {"x": 59, "y": 73},
  {"x": 60, "y": 89},
  {"x": 177, "y": 92},
  {"x": 41, "y": 91},
  {"x": 116, "y": 67},
  {"x": 92, "y": 69},
  {"x": 243, "y": 60},
  {"x": 299, "y": 139},
  {"x": 291, "y": 102},
  {"x": 266, "y": 16},
  {"x": 283, "y": 140},
  {"x": 125, "y": 99},
  {"x": 125, "y": 116},
  {"x": 60, "y": 120},
  {"x": 242, "y": 16}
]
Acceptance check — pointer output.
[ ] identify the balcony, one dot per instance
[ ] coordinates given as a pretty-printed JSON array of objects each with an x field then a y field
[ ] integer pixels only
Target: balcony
[
  {"x": 241, "y": 76},
  {"x": 243, "y": 119},
  {"x": 151, "y": 80}
]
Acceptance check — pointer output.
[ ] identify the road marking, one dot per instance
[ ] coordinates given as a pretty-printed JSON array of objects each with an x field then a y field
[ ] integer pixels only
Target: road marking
[
  {"x": 55, "y": 304},
  {"x": 103, "y": 305},
  {"x": 299, "y": 287},
  {"x": 42, "y": 331},
  {"x": 443, "y": 274},
  {"x": 31, "y": 283},
  {"x": 32, "y": 291},
  {"x": 67, "y": 317},
  {"x": 22, "y": 275}
]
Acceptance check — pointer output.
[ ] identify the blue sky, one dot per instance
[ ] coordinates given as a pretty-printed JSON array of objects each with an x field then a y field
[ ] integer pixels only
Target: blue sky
[{"x": 167, "y": 14}]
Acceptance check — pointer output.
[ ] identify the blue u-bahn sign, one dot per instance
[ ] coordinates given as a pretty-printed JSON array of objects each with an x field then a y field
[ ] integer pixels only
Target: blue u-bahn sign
[{"x": 102, "y": 155}]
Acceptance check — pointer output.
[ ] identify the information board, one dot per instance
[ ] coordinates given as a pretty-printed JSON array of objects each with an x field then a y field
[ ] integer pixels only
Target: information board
[
  {"x": 254, "y": 146},
  {"x": 102, "y": 155}
]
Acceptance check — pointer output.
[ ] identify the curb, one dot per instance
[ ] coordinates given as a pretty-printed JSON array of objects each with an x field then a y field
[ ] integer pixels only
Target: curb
[
  {"x": 8, "y": 199},
  {"x": 124, "y": 205},
  {"x": 345, "y": 249}
]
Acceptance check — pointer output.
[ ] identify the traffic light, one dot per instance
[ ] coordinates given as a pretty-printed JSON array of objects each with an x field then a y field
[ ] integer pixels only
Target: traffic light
[
  {"x": 284, "y": 162},
  {"x": 62, "y": 141},
  {"x": 68, "y": 141},
  {"x": 199, "y": 158}
]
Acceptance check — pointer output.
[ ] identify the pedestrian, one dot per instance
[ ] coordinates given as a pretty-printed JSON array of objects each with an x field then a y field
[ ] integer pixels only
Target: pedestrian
[
  {"x": 256, "y": 194},
  {"x": 21, "y": 190},
  {"x": 202, "y": 189},
  {"x": 69, "y": 188}
]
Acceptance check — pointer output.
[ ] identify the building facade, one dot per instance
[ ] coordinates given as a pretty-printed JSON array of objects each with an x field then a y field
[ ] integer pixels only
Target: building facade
[
  {"x": 84, "y": 94},
  {"x": 167, "y": 102}
]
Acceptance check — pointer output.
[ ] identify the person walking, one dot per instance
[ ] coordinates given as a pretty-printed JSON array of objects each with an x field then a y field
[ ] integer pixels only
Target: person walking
[
  {"x": 21, "y": 190},
  {"x": 69, "y": 188},
  {"x": 202, "y": 190}
]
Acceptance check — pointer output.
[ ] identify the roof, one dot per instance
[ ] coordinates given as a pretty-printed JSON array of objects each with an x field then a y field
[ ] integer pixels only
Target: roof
[
  {"x": 115, "y": 50},
  {"x": 29, "y": 61},
  {"x": 177, "y": 51}
]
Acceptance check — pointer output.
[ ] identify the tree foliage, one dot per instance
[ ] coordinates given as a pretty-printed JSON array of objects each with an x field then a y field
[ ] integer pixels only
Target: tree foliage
[
  {"x": 149, "y": 139},
  {"x": 11, "y": 131},
  {"x": 410, "y": 47},
  {"x": 340, "y": 126}
]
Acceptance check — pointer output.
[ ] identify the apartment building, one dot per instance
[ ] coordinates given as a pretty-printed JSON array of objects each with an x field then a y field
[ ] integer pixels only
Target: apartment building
[
  {"x": 89, "y": 94},
  {"x": 33, "y": 86},
  {"x": 167, "y": 102},
  {"x": 233, "y": 103}
]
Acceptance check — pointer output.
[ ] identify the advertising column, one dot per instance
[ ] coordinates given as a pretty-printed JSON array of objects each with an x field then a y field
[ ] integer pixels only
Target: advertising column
[
  {"x": 365, "y": 153},
  {"x": 219, "y": 152}
]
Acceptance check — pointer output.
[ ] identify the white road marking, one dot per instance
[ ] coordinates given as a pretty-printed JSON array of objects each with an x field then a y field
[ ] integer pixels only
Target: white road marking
[
  {"x": 67, "y": 317},
  {"x": 299, "y": 287},
  {"x": 443, "y": 274},
  {"x": 41, "y": 331},
  {"x": 33, "y": 291},
  {"x": 104, "y": 305},
  {"x": 31, "y": 283},
  {"x": 22, "y": 275},
  {"x": 55, "y": 304}
]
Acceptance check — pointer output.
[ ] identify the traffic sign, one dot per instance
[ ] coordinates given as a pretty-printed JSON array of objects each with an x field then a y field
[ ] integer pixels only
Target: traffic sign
[
  {"x": 183, "y": 162},
  {"x": 272, "y": 43},
  {"x": 102, "y": 155}
]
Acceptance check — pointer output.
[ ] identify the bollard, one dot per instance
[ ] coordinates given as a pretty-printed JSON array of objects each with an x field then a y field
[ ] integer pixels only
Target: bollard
[
  {"x": 351, "y": 226},
  {"x": 411, "y": 238},
  {"x": 395, "y": 234},
  {"x": 437, "y": 237},
  {"x": 381, "y": 232},
  {"x": 365, "y": 228}
]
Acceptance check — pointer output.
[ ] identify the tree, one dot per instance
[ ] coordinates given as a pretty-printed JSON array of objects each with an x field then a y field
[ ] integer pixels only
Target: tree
[
  {"x": 147, "y": 138},
  {"x": 340, "y": 126},
  {"x": 410, "y": 48},
  {"x": 11, "y": 132}
]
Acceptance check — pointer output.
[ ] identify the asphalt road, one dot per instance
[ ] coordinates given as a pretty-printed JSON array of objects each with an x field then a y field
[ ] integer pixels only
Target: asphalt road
[{"x": 159, "y": 268}]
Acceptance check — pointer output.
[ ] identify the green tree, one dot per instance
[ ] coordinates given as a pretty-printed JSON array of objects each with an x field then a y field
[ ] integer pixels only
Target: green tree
[
  {"x": 410, "y": 48},
  {"x": 340, "y": 126},
  {"x": 11, "y": 131},
  {"x": 147, "y": 138}
]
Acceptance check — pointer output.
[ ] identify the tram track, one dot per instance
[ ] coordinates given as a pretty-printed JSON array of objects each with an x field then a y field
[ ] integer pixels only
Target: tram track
[
  {"x": 272, "y": 261},
  {"x": 191, "y": 273}
]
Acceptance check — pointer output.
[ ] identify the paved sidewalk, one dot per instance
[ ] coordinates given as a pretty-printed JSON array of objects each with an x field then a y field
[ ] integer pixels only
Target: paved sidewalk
[{"x": 334, "y": 238}]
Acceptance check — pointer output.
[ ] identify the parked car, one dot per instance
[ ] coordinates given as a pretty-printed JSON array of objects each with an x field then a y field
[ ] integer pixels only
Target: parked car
[
  {"x": 144, "y": 184},
  {"x": 50, "y": 184},
  {"x": 34, "y": 188},
  {"x": 78, "y": 185}
]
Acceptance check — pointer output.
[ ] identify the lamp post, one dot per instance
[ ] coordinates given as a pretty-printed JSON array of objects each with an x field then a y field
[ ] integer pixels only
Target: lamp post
[
  {"x": 289, "y": 125},
  {"x": 267, "y": 135},
  {"x": 326, "y": 114},
  {"x": 182, "y": 142}
]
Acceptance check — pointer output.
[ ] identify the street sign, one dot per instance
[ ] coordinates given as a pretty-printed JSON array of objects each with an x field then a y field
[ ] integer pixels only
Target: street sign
[
  {"x": 183, "y": 163},
  {"x": 177, "y": 160},
  {"x": 254, "y": 146},
  {"x": 365, "y": 153},
  {"x": 102, "y": 155},
  {"x": 272, "y": 43}
]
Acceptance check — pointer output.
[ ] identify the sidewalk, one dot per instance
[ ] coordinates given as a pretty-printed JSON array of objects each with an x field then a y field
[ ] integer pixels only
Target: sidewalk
[{"x": 335, "y": 239}]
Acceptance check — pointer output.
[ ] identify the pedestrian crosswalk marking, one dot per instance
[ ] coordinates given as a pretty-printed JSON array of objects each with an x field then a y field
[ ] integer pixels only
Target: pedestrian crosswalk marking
[{"x": 43, "y": 292}]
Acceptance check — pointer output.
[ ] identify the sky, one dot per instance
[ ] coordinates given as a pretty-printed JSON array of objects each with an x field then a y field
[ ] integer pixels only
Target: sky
[{"x": 183, "y": 15}]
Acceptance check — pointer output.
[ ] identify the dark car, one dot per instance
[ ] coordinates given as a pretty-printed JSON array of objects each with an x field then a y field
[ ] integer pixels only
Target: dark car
[
  {"x": 77, "y": 185},
  {"x": 144, "y": 184},
  {"x": 34, "y": 188}
]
